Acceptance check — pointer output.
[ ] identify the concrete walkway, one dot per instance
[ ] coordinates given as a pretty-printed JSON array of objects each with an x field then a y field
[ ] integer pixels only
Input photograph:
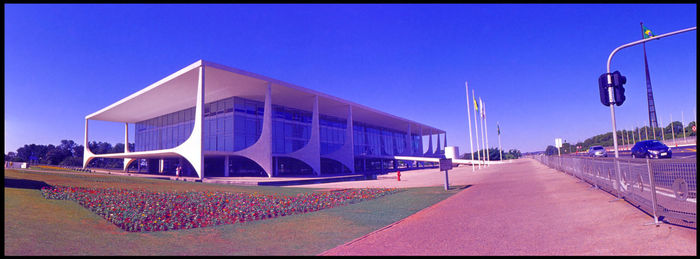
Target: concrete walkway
[{"x": 522, "y": 208}]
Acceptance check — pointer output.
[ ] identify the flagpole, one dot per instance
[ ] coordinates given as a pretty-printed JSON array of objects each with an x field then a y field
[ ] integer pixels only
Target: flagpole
[
  {"x": 500, "y": 151},
  {"x": 486, "y": 125},
  {"x": 683, "y": 125},
  {"x": 483, "y": 145},
  {"x": 469, "y": 120},
  {"x": 476, "y": 128}
]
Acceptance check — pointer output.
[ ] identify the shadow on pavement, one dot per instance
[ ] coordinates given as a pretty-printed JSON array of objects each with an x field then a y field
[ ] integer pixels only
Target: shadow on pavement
[{"x": 25, "y": 184}]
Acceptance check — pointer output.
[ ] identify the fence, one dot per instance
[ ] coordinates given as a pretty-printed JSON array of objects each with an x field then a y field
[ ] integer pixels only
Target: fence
[{"x": 666, "y": 189}]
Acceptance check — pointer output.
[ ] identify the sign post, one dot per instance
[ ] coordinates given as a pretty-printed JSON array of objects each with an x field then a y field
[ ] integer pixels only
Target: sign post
[
  {"x": 446, "y": 164},
  {"x": 558, "y": 144}
]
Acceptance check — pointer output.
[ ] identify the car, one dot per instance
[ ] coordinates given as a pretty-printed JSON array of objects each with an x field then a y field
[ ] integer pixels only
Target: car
[
  {"x": 597, "y": 151},
  {"x": 651, "y": 149}
]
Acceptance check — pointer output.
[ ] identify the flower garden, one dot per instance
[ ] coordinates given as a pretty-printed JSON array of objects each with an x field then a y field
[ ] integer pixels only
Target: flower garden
[{"x": 141, "y": 210}]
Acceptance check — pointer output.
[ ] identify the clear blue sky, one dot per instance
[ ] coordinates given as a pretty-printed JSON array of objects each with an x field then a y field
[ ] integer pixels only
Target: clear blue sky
[{"x": 535, "y": 65}]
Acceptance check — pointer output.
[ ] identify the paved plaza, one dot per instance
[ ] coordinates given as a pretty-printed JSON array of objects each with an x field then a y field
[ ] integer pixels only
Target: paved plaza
[{"x": 521, "y": 208}]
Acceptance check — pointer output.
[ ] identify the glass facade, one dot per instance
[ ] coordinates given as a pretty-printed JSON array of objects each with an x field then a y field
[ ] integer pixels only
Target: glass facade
[
  {"x": 376, "y": 141},
  {"x": 332, "y": 133},
  {"x": 235, "y": 123},
  {"x": 247, "y": 119},
  {"x": 291, "y": 129},
  {"x": 166, "y": 131}
]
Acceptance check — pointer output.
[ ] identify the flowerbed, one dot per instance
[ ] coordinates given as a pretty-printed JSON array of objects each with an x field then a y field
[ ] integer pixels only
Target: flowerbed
[
  {"x": 50, "y": 167},
  {"x": 141, "y": 210}
]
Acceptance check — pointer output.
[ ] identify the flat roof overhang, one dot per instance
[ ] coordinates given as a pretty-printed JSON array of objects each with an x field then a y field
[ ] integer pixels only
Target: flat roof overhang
[{"x": 178, "y": 91}]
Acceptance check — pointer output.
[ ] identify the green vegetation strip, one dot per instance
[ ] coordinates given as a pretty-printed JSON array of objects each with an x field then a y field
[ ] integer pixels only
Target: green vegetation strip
[{"x": 37, "y": 226}]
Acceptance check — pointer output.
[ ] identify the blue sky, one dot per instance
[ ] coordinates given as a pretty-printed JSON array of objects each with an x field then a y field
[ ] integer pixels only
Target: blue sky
[{"x": 534, "y": 65}]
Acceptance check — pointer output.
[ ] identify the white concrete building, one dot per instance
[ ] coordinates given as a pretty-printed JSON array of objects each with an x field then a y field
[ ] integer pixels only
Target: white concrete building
[{"x": 216, "y": 120}]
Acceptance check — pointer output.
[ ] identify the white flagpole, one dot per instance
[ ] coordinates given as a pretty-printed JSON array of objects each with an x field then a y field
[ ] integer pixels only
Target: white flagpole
[
  {"x": 683, "y": 125},
  {"x": 476, "y": 129},
  {"x": 500, "y": 151},
  {"x": 673, "y": 132},
  {"x": 483, "y": 143},
  {"x": 469, "y": 120},
  {"x": 486, "y": 125}
]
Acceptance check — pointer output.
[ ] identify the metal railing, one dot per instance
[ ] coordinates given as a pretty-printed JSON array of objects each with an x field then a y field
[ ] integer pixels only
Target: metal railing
[{"x": 666, "y": 189}]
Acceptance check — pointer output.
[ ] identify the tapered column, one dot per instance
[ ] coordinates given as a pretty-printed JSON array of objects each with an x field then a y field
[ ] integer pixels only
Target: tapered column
[
  {"x": 127, "y": 161},
  {"x": 261, "y": 151},
  {"x": 87, "y": 154},
  {"x": 421, "y": 141},
  {"x": 345, "y": 154},
  {"x": 311, "y": 152},
  {"x": 191, "y": 149},
  {"x": 126, "y": 138},
  {"x": 430, "y": 143},
  {"x": 445, "y": 142},
  {"x": 437, "y": 148}
]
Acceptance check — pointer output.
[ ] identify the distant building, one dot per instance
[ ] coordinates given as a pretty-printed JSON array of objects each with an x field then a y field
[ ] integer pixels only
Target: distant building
[{"x": 219, "y": 121}]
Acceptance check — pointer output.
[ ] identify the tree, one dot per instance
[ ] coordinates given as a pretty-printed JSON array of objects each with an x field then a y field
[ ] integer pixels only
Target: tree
[
  {"x": 515, "y": 153},
  {"x": 54, "y": 156},
  {"x": 551, "y": 150}
]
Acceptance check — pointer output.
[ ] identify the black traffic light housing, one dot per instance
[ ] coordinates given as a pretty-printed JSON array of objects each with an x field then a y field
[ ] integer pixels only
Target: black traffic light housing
[
  {"x": 603, "y": 88},
  {"x": 618, "y": 81}
]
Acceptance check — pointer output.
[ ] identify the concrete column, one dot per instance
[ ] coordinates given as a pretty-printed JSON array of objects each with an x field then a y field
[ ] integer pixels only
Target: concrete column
[
  {"x": 127, "y": 161},
  {"x": 87, "y": 154},
  {"x": 421, "y": 141},
  {"x": 261, "y": 151},
  {"x": 161, "y": 164},
  {"x": 346, "y": 154},
  {"x": 126, "y": 138},
  {"x": 437, "y": 147},
  {"x": 430, "y": 144},
  {"x": 191, "y": 149}
]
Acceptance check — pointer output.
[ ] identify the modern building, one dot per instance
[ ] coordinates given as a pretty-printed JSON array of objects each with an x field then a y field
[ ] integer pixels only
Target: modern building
[{"x": 218, "y": 121}]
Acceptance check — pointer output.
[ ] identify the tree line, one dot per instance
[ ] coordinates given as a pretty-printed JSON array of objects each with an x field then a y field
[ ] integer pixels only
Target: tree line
[
  {"x": 674, "y": 129},
  {"x": 494, "y": 154},
  {"x": 68, "y": 153}
]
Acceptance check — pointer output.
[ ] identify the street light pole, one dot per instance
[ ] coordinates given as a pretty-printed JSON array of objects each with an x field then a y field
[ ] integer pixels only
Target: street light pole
[{"x": 609, "y": 76}]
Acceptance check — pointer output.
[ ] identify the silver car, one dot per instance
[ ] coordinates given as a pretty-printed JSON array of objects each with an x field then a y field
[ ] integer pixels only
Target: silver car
[{"x": 597, "y": 151}]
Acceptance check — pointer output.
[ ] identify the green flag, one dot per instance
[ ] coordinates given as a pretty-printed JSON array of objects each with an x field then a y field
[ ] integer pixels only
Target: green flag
[{"x": 647, "y": 32}]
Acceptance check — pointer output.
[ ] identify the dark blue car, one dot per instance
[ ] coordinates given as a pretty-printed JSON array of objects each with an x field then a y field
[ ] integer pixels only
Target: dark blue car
[{"x": 651, "y": 149}]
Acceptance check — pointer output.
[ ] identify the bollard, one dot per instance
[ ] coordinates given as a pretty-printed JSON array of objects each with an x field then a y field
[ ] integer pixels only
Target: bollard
[{"x": 398, "y": 176}]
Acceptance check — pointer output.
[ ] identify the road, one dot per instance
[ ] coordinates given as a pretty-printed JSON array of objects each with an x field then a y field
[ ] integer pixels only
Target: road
[{"x": 678, "y": 152}]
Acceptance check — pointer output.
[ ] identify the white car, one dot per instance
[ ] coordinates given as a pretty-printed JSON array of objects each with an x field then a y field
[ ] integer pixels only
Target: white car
[{"x": 597, "y": 151}]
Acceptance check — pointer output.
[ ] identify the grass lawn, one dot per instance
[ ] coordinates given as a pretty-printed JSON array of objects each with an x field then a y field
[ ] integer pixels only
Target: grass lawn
[{"x": 38, "y": 226}]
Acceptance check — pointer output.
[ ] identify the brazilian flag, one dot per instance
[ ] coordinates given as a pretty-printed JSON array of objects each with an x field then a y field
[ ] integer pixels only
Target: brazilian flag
[{"x": 647, "y": 32}]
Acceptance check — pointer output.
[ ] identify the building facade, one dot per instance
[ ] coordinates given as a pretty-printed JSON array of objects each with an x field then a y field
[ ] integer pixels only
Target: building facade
[{"x": 217, "y": 121}]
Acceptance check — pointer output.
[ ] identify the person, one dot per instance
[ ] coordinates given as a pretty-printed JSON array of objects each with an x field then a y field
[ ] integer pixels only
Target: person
[{"x": 177, "y": 170}]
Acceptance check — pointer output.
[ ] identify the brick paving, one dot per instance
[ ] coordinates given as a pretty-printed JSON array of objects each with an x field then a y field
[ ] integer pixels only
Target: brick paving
[{"x": 522, "y": 208}]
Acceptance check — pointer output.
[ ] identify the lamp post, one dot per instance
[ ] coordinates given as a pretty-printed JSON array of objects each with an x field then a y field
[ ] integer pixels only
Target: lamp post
[{"x": 609, "y": 76}]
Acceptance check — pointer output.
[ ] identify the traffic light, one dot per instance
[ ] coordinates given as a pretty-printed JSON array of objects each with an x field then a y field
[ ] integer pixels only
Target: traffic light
[
  {"x": 603, "y": 88},
  {"x": 618, "y": 80}
]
